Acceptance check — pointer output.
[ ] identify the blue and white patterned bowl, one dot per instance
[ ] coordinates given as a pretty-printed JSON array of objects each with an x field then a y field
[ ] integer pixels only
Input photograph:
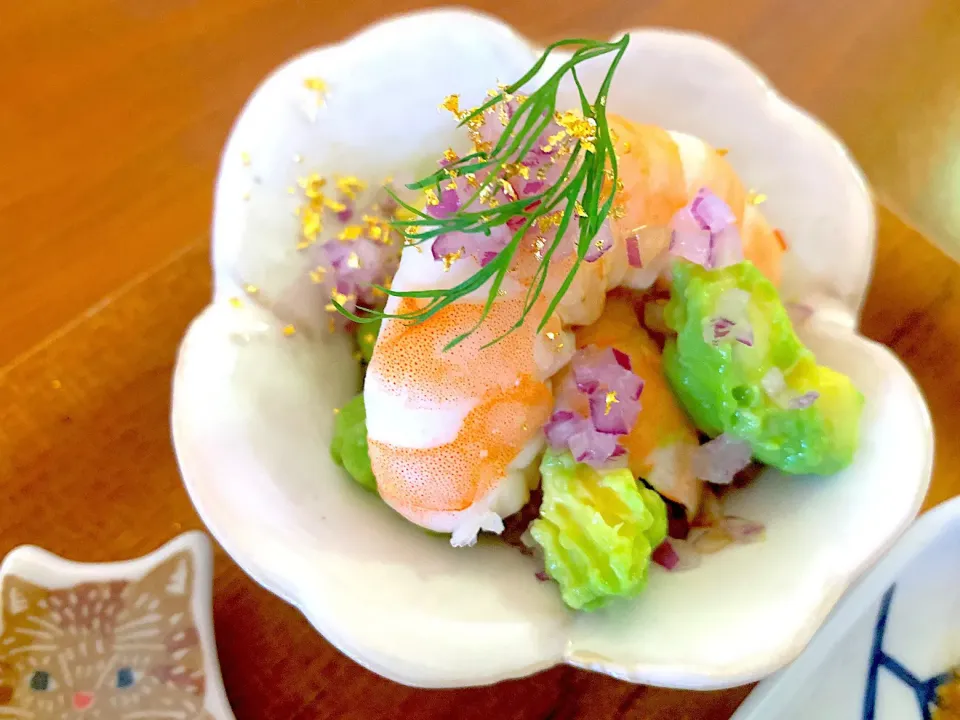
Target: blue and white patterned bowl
[{"x": 890, "y": 643}]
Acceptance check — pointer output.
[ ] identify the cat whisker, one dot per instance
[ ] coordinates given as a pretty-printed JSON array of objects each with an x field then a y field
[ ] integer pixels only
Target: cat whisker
[
  {"x": 43, "y": 635},
  {"x": 44, "y": 624},
  {"x": 145, "y": 620},
  {"x": 32, "y": 648},
  {"x": 106, "y": 671},
  {"x": 67, "y": 676},
  {"x": 136, "y": 634},
  {"x": 9, "y": 712}
]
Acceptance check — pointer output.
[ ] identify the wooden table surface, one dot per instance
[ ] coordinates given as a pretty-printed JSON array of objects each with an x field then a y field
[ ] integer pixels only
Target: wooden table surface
[{"x": 111, "y": 123}]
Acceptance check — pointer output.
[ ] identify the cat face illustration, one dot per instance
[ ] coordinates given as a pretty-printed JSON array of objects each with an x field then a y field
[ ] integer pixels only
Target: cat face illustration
[{"x": 120, "y": 650}]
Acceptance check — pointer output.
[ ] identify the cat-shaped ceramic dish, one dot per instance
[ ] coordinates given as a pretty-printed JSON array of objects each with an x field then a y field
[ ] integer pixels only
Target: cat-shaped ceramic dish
[
  {"x": 113, "y": 641},
  {"x": 259, "y": 376}
]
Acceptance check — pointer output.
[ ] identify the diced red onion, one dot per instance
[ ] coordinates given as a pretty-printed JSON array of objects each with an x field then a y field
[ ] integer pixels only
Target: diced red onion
[
  {"x": 675, "y": 555},
  {"x": 623, "y": 360},
  {"x": 732, "y": 319},
  {"x": 542, "y": 576},
  {"x": 633, "y": 251},
  {"x": 704, "y": 232},
  {"x": 718, "y": 460},
  {"x": 691, "y": 245},
  {"x": 743, "y": 531},
  {"x": 449, "y": 203},
  {"x": 534, "y": 187},
  {"x": 665, "y": 556},
  {"x": 711, "y": 212},
  {"x": 804, "y": 401},
  {"x": 613, "y": 397}
]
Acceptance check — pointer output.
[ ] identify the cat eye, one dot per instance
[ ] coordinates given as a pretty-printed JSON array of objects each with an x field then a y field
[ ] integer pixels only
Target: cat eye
[
  {"x": 125, "y": 677},
  {"x": 42, "y": 681}
]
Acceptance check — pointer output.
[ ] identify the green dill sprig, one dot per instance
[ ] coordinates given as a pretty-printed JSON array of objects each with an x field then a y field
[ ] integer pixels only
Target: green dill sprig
[{"x": 583, "y": 191}]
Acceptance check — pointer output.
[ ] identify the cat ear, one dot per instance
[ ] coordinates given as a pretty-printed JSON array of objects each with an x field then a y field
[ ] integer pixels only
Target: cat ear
[
  {"x": 20, "y": 595},
  {"x": 173, "y": 577}
]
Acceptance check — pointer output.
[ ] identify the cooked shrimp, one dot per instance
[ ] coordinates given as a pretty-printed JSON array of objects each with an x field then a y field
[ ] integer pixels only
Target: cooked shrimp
[{"x": 453, "y": 435}]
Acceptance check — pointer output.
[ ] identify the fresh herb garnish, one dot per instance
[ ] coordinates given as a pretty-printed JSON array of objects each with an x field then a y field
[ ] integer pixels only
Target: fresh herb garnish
[{"x": 584, "y": 190}]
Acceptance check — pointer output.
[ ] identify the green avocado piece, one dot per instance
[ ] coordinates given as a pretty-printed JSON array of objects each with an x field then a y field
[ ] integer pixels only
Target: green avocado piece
[
  {"x": 721, "y": 384},
  {"x": 349, "y": 444},
  {"x": 597, "y": 529}
]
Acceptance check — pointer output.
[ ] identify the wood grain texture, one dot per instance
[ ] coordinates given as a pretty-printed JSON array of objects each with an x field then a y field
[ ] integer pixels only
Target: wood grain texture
[{"x": 113, "y": 117}]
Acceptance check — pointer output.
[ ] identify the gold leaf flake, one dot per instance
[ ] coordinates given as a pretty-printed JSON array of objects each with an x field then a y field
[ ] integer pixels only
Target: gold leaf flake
[
  {"x": 431, "y": 196},
  {"x": 316, "y": 84},
  {"x": 451, "y": 258},
  {"x": 618, "y": 212},
  {"x": 578, "y": 208},
  {"x": 318, "y": 274},
  {"x": 289, "y": 330},
  {"x": 450, "y": 156},
  {"x": 350, "y": 185},
  {"x": 236, "y": 302},
  {"x": 353, "y": 261},
  {"x": 452, "y": 104},
  {"x": 350, "y": 232},
  {"x": 507, "y": 189},
  {"x": 251, "y": 289},
  {"x": 756, "y": 198},
  {"x": 722, "y": 151},
  {"x": 609, "y": 401}
]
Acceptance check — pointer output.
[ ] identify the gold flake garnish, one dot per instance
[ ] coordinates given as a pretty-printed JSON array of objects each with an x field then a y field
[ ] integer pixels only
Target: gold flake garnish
[
  {"x": 245, "y": 158},
  {"x": 452, "y": 104},
  {"x": 450, "y": 156},
  {"x": 551, "y": 336},
  {"x": 336, "y": 411},
  {"x": 451, "y": 258},
  {"x": 618, "y": 212},
  {"x": 315, "y": 84},
  {"x": 722, "y": 151},
  {"x": 507, "y": 189},
  {"x": 350, "y": 232},
  {"x": 350, "y": 185},
  {"x": 578, "y": 128},
  {"x": 452, "y": 185},
  {"x": 331, "y": 325},
  {"x": 303, "y": 244},
  {"x": 578, "y": 208},
  {"x": 251, "y": 289},
  {"x": 318, "y": 274},
  {"x": 609, "y": 401},
  {"x": 310, "y": 223},
  {"x": 236, "y": 302},
  {"x": 472, "y": 180},
  {"x": 756, "y": 198},
  {"x": 289, "y": 330},
  {"x": 626, "y": 147},
  {"x": 431, "y": 196},
  {"x": 337, "y": 297},
  {"x": 312, "y": 185},
  {"x": 353, "y": 261},
  {"x": 334, "y": 205}
]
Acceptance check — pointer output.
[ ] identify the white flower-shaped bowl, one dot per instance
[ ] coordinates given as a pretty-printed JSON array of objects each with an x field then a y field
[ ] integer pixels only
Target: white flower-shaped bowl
[{"x": 253, "y": 405}]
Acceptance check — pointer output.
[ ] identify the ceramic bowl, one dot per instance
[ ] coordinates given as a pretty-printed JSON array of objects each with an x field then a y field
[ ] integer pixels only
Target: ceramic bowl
[
  {"x": 253, "y": 404},
  {"x": 890, "y": 643}
]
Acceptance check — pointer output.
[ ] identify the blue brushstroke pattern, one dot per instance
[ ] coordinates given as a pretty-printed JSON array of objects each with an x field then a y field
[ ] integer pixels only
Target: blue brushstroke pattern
[{"x": 925, "y": 691}]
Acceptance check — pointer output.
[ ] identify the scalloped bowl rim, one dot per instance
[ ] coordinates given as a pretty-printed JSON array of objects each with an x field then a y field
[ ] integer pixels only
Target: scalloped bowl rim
[{"x": 842, "y": 316}]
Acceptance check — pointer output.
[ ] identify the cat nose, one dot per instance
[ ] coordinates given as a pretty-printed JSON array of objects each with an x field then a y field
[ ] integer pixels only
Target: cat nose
[{"x": 82, "y": 700}]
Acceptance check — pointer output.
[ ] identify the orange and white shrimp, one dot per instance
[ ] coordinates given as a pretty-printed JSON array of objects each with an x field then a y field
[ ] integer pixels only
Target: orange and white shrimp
[{"x": 454, "y": 435}]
